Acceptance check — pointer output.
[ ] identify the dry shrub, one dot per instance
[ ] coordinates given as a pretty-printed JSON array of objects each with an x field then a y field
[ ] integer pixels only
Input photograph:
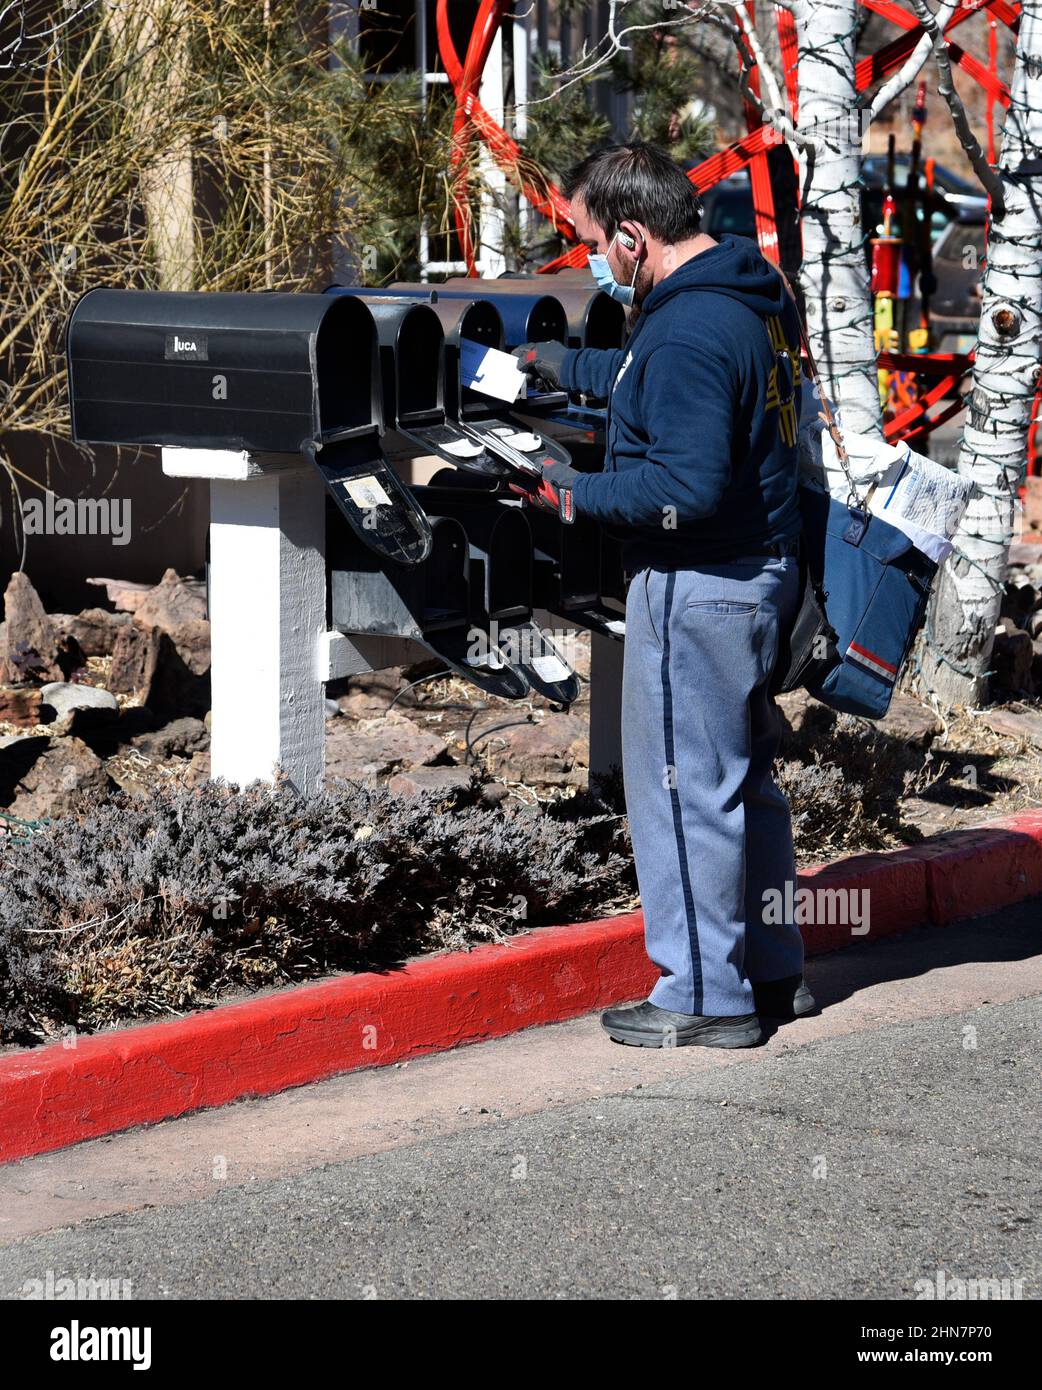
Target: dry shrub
[
  {"x": 845, "y": 782},
  {"x": 150, "y": 906}
]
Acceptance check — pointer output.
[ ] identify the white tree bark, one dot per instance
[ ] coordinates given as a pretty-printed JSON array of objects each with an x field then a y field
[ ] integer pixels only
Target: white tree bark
[
  {"x": 968, "y": 592},
  {"x": 835, "y": 273}
]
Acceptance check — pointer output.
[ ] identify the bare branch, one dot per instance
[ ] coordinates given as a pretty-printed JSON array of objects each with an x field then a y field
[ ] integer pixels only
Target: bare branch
[
  {"x": 988, "y": 176},
  {"x": 913, "y": 64}
]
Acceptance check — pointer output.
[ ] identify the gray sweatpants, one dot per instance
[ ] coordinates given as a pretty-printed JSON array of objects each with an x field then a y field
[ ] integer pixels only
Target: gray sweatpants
[{"x": 711, "y": 831}]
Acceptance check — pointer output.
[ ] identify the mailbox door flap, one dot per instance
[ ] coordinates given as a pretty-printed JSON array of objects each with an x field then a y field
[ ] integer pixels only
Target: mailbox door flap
[
  {"x": 533, "y": 649},
  {"x": 493, "y": 674},
  {"x": 456, "y": 445},
  {"x": 378, "y": 508}
]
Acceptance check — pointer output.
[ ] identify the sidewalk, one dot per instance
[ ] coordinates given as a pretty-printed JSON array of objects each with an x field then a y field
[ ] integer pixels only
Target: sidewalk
[{"x": 555, "y": 1164}]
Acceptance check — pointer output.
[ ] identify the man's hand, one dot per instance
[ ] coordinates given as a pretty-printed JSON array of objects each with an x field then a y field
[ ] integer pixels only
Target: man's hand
[
  {"x": 552, "y": 492},
  {"x": 542, "y": 361}
]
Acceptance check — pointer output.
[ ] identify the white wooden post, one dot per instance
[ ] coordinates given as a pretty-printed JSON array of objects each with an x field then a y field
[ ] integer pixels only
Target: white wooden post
[
  {"x": 267, "y": 613},
  {"x": 271, "y": 652}
]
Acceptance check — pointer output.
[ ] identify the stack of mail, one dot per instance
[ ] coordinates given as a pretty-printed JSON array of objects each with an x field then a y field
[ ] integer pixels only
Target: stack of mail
[{"x": 921, "y": 498}]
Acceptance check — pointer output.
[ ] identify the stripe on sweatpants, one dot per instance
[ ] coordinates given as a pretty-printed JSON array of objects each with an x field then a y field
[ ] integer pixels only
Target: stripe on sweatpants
[{"x": 674, "y": 797}]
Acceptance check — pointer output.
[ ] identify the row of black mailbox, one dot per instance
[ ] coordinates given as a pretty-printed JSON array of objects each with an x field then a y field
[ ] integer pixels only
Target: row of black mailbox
[
  {"x": 327, "y": 375},
  {"x": 275, "y": 372},
  {"x": 491, "y": 565}
]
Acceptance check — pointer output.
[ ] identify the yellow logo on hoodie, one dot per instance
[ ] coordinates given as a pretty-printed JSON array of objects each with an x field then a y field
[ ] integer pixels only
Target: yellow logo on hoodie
[{"x": 787, "y": 418}]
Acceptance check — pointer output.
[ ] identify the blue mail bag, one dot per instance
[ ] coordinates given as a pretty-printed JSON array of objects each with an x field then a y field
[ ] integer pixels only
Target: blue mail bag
[{"x": 876, "y": 585}]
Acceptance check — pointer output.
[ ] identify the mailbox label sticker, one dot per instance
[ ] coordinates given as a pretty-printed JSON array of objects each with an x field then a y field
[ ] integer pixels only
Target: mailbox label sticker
[
  {"x": 186, "y": 347},
  {"x": 366, "y": 493},
  {"x": 550, "y": 668}
]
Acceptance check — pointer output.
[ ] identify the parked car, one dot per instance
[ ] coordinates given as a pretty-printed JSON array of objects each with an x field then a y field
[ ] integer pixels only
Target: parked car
[
  {"x": 958, "y": 260},
  {"x": 957, "y": 226},
  {"x": 729, "y": 206}
]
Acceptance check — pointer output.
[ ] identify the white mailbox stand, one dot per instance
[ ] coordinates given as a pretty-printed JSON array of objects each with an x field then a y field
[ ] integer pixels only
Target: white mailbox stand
[{"x": 271, "y": 652}]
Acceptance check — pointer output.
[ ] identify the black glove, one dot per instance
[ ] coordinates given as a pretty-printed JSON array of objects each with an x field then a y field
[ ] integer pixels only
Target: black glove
[
  {"x": 553, "y": 491},
  {"x": 543, "y": 361}
]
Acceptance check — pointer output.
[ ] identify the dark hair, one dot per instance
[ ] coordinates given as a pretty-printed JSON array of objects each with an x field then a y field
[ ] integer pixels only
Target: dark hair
[{"x": 637, "y": 181}]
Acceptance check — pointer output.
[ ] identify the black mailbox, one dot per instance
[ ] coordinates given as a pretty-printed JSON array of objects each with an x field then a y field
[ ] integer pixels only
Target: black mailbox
[
  {"x": 473, "y": 321},
  {"x": 265, "y": 373},
  {"x": 430, "y": 604},
  {"x": 594, "y": 318},
  {"x": 499, "y": 542},
  {"x": 528, "y": 317},
  {"x": 567, "y": 574},
  {"x": 262, "y": 372},
  {"x": 413, "y": 368},
  {"x": 471, "y": 430}
]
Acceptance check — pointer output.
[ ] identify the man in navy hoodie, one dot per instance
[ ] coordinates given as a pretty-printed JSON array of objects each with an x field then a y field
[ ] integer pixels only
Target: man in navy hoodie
[{"x": 699, "y": 482}]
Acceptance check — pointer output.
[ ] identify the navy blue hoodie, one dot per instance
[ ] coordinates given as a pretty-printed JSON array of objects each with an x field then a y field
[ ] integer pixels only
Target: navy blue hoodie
[{"x": 702, "y": 418}]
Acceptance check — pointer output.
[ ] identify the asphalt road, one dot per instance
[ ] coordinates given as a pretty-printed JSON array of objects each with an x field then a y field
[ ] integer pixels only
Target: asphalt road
[{"x": 848, "y": 1166}]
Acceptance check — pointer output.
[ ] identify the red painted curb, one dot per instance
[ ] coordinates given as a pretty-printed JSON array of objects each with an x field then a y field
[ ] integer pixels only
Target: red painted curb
[
  {"x": 61, "y": 1094},
  {"x": 969, "y": 871}
]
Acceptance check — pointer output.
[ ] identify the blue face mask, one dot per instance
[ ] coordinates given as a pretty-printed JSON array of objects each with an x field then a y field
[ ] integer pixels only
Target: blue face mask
[{"x": 603, "y": 274}]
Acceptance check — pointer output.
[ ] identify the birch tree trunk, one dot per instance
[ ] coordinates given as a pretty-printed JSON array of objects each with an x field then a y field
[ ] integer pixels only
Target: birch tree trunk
[
  {"x": 835, "y": 272},
  {"x": 968, "y": 592}
]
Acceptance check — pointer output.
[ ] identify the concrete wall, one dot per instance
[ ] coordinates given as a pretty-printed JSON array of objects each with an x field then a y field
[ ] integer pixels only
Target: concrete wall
[{"x": 168, "y": 520}]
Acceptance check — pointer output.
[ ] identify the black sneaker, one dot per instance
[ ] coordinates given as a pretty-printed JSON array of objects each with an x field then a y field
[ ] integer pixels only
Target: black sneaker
[
  {"x": 646, "y": 1025},
  {"x": 784, "y": 999}
]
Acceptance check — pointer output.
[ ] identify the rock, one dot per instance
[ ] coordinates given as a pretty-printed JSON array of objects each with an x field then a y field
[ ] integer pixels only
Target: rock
[
  {"x": 170, "y": 604},
  {"x": 33, "y": 650},
  {"x": 23, "y": 739},
  {"x": 493, "y": 794},
  {"x": 1024, "y": 724},
  {"x": 372, "y": 692},
  {"x": 174, "y": 607},
  {"x": 64, "y": 698},
  {"x": 1032, "y": 507},
  {"x": 1011, "y": 659},
  {"x": 430, "y": 779},
  {"x": 180, "y": 738},
  {"x": 133, "y": 659},
  {"x": 146, "y": 663},
  {"x": 65, "y": 771},
  {"x": 553, "y": 752},
  {"x": 1019, "y": 598},
  {"x": 191, "y": 641},
  {"x": 197, "y": 771},
  {"x": 20, "y": 707},
  {"x": 124, "y": 594},
  {"x": 95, "y": 629},
  {"x": 1026, "y": 551},
  {"x": 794, "y": 705},
  {"x": 909, "y": 719},
  {"x": 379, "y": 748}
]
